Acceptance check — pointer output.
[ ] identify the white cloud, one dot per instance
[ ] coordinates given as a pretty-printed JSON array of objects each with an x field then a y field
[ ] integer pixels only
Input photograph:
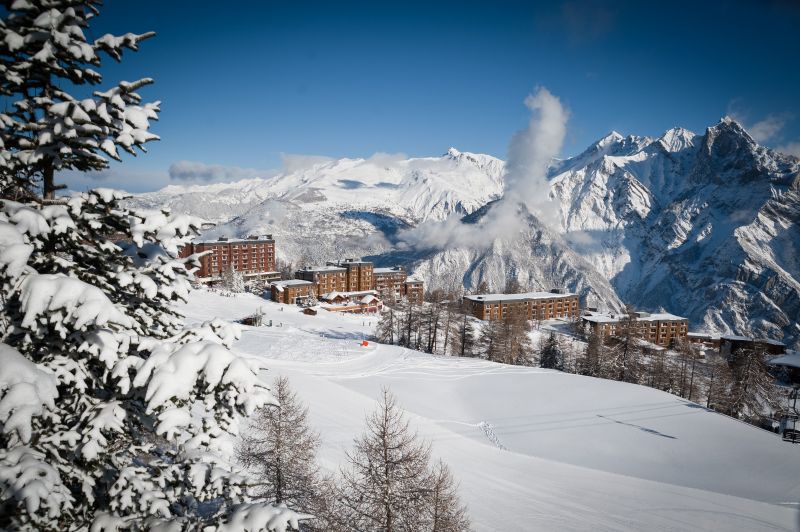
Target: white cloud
[
  {"x": 764, "y": 130},
  {"x": 791, "y": 148},
  {"x": 768, "y": 128},
  {"x": 386, "y": 159},
  {"x": 295, "y": 162},
  {"x": 197, "y": 171},
  {"x": 527, "y": 188},
  {"x": 121, "y": 178}
]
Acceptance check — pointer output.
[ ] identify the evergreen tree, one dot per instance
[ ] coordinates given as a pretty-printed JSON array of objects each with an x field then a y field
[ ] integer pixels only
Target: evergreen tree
[
  {"x": 551, "y": 355},
  {"x": 591, "y": 362},
  {"x": 490, "y": 341},
  {"x": 233, "y": 280},
  {"x": 464, "y": 344},
  {"x": 112, "y": 412},
  {"x": 46, "y": 129}
]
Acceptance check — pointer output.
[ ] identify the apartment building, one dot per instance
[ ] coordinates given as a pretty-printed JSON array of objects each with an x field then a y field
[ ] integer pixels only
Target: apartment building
[
  {"x": 533, "y": 305},
  {"x": 291, "y": 292},
  {"x": 390, "y": 282},
  {"x": 359, "y": 274},
  {"x": 253, "y": 256},
  {"x": 657, "y": 328},
  {"x": 414, "y": 291},
  {"x": 326, "y": 278}
]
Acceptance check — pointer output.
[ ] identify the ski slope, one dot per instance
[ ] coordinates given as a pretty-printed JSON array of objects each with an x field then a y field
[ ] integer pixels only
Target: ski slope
[{"x": 533, "y": 449}]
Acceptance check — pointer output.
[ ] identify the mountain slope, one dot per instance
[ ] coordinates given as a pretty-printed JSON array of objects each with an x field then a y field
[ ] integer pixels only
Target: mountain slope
[
  {"x": 706, "y": 226},
  {"x": 532, "y": 449}
]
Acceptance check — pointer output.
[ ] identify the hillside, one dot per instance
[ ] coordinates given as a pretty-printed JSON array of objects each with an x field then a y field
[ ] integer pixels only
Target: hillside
[
  {"x": 705, "y": 226},
  {"x": 533, "y": 449}
]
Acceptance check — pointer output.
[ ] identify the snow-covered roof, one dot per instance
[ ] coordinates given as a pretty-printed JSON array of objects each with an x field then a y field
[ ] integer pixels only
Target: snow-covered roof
[
  {"x": 702, "y": 335},
  {"x": 413, "y": 280},
  {"x": 333, "y": 295},
  {"x": 486, "y": 298},
  {"x": 280, "y": 285},
  {"x": 394, "y": 269},
  {"x": 259, "y": 240},
  {"x": 319, "y": 269},
  {"x": 791, "y": 358},
  {"x": 660, "y": 316},
  {"x": 352, "y": 261},
  {"x": 600, "y": 317},
  {"x": 259, "y": 274}
]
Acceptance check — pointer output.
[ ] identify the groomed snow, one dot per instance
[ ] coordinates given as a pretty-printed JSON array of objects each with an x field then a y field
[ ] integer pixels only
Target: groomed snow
[{"x": 533, "y": 449}]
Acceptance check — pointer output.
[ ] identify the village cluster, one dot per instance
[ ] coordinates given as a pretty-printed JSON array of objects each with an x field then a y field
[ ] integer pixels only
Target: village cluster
[
  {"x": 357, "y": 286},
  {"x": 348, "y": 285}
]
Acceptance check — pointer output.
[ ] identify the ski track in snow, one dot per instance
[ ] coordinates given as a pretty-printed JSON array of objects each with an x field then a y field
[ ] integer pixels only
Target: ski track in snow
[{"x": 533, "y": 449}]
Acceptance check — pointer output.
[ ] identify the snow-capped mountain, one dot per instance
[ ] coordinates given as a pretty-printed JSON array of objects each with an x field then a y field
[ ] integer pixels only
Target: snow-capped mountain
[
  {"x": 705, "y": 226},
  {"x": 414, "y": 189},
  {"x": 345, "y": 207}
]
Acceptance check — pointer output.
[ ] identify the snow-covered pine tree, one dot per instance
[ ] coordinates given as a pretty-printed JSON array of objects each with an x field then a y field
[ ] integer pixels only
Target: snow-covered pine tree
[
  {"x": 118, "y": 417},
  {"x": 551, "y": 355},
  {"x": 110, "y": 415},
  {"x": 45, "y": 128},
  {"x": 233, "y": 280}
]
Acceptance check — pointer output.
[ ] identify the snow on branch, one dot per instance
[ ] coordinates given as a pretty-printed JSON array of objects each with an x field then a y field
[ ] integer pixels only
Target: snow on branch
[{"x": 25, "y": 392}]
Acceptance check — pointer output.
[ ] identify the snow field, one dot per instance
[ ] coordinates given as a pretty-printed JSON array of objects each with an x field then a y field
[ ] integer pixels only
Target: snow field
[{"x": 533, "y": 449}]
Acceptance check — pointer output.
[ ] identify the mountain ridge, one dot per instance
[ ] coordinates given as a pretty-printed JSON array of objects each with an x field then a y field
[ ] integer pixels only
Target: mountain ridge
[{"x": 705, "y": 225}]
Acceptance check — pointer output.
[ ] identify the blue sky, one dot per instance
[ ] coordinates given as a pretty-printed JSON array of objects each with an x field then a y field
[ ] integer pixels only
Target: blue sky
[{"x": 244, "y": 83}]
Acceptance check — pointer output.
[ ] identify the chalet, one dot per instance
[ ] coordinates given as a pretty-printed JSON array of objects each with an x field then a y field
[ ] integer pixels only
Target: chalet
[
  {"x": 292, "y": 292},
  {"x": 359, "y": 302},
  {"x": 657, "y": 328},
  {"x": 532, "y": 305}
]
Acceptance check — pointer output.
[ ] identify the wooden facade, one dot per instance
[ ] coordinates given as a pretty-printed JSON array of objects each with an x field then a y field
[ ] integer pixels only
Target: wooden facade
[
  {"x": 359, "y": 274},
  {"x": 532, "y": 305},
  {"x": 292, "y": 292},
  {"x": 250, "y": 256},
  {"x": 659, "y": 328},
  {"x": 326, "y": 278},
  {"x": 414, "y": 291},
  {"x": 390, "y": 282}
]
